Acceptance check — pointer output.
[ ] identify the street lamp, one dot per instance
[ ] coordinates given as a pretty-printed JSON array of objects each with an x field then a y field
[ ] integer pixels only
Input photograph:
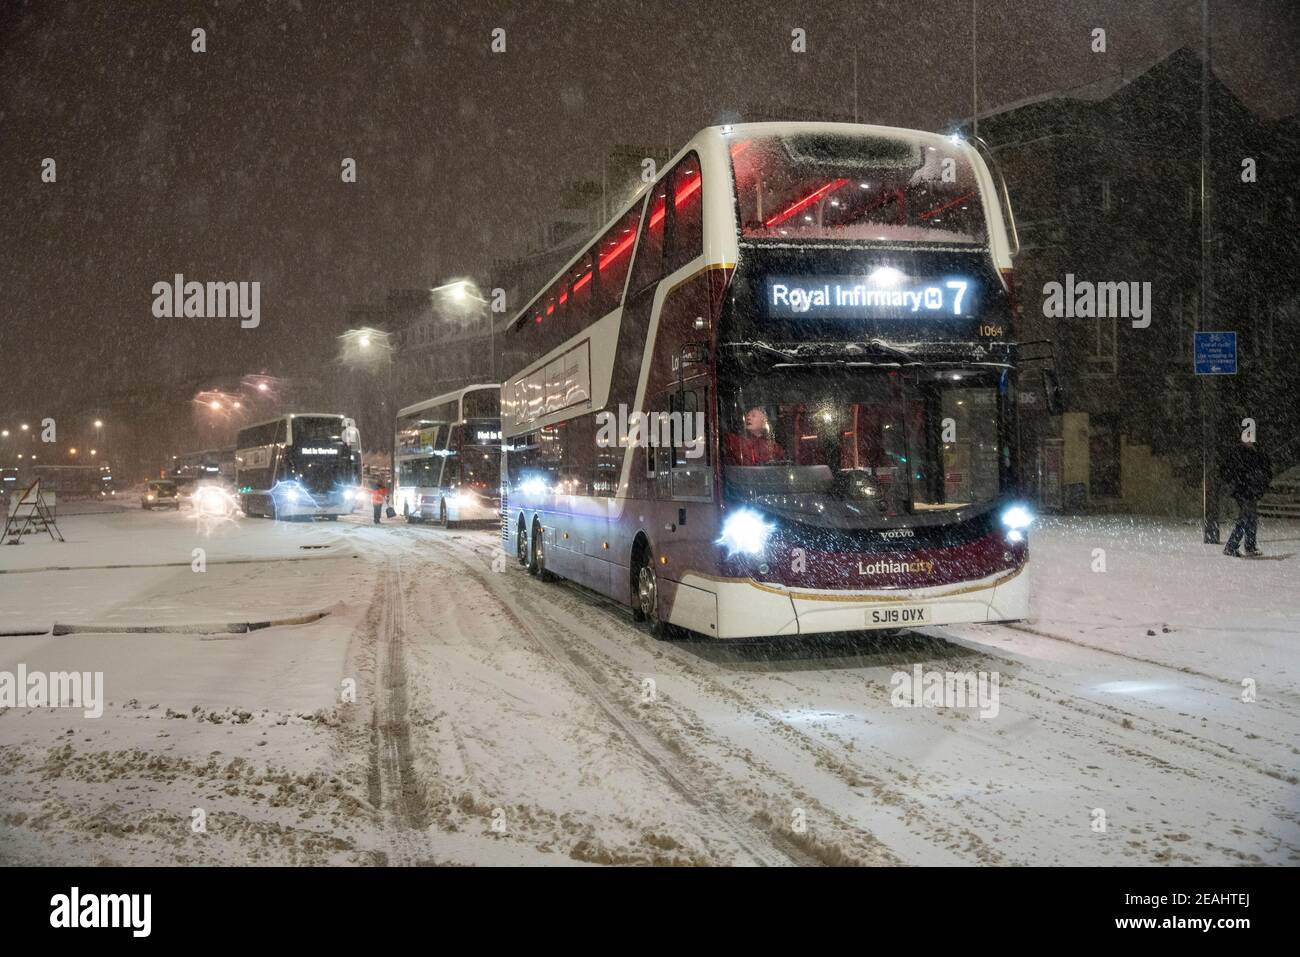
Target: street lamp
[
  {"x": 99, "y": 433},
  {"x": 370, "y": 349},
  {"x": 460, "y": 290}
]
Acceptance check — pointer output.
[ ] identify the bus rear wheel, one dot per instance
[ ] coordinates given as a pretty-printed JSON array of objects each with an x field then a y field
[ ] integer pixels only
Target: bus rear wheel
[{"x": 537, "y": 559}]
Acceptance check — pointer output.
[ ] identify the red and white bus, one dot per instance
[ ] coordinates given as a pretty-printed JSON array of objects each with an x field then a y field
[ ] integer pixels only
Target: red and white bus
[
  {"x": 777, "y": 394},
  {"x": 449, "y": 458}
]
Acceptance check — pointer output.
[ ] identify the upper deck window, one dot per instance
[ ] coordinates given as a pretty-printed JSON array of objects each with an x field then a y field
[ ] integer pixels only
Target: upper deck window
[
  {"x": 317, "y": 428},
  {"x": 856, "y": 187}
]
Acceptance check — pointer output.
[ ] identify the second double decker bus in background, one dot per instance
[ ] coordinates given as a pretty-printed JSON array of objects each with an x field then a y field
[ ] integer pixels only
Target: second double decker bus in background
[
  {"x": 449, "y": 458},
  {"x": 299, "y": 466},
  {"x": 777, "y": 395}
]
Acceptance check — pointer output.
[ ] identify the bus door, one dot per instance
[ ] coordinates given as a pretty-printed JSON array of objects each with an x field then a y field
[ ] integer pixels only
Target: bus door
[
  {"x": 688, "y": 521},
  {"x": 449, "y": 456},
  {"x": 682, "y": 466}
]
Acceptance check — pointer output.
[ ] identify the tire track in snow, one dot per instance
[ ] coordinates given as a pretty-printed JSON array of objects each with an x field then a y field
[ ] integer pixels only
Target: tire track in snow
[
  {"x": 763, "y": 848},
  {"x": 740, "y": 838},
  {"x": 688, "y": 724},
  {"x": 394, "y": 787}
]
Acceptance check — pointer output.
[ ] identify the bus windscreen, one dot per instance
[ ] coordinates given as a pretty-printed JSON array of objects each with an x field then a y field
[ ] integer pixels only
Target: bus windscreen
[{"x": 857, "y": 187}]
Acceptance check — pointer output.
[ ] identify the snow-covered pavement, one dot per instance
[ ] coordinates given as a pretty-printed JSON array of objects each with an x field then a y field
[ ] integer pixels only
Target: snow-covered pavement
[{"x": 447, "y": 707}]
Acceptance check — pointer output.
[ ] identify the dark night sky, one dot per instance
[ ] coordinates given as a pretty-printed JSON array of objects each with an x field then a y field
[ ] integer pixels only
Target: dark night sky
[{"x": 226, "y": 165}]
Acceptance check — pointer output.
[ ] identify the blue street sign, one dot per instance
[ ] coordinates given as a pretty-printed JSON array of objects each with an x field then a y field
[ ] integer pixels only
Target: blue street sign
[{"x": 1216, "y": 353}]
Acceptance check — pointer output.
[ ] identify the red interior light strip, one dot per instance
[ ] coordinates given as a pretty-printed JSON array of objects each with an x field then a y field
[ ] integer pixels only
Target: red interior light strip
[
  {"x": 949, "y": 205},
  {"x": 617, "y": 251},
  {"x": 656, "y": 218},
  {"x": 679, "y": 198},
  {"x": 805, "y": 202}
]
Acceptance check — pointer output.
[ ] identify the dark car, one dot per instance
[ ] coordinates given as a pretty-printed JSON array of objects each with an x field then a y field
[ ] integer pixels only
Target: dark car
[{"x": 161, "y": 493}]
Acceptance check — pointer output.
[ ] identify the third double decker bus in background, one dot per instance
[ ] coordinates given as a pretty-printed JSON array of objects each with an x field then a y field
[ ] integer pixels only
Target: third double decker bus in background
[
  {"x": 449, "y": 458},
  {"x": 830, "y": 308},
  {"x": 299, "y": 466}
]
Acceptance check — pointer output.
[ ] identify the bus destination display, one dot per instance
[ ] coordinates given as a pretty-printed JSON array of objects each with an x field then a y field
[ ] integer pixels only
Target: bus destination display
[{"x": 885, "y": 294}]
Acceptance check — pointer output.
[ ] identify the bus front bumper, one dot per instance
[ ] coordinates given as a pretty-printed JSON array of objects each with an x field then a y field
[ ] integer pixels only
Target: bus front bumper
[
  {"x": 304, "y": 507},
  {"x": 751, "y": 609}
]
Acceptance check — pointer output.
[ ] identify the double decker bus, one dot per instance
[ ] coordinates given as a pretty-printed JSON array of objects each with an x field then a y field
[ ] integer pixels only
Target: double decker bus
[
  {"x": 449, "y": 458},
  {"x": 301, "y": 465},
  {"x": 210, "y": 464},
  {"x": 777, "y": 394}
]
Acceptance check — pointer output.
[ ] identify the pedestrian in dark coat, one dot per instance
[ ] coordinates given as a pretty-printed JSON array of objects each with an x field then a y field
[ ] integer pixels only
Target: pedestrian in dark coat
[{"x": 1247, "y": 472}]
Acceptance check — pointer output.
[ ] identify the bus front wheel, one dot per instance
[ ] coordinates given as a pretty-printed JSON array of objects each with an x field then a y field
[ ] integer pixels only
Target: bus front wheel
[
  {"x": 645, "y": 595},
  {"x": 537, "y": 560}
]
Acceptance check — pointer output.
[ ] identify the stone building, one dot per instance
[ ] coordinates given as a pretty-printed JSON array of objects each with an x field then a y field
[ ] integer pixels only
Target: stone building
[{"x": 1109, "y": 190}]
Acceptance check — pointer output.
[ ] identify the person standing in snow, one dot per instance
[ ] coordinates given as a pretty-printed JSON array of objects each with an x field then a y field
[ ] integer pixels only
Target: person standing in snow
[
  {"x": 377, "y": 498},
  {"x": 1247, "y": 472}
]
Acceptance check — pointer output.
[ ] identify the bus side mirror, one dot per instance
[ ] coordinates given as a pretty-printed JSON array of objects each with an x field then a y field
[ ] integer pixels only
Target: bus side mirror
[{"x": 1052, "y": 392}]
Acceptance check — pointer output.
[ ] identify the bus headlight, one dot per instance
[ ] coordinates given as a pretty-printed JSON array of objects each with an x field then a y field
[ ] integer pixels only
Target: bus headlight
[
  {"x": 213, "y": 501},
  {"x": 466, "y": 499},
  {"x": 744, "y": 532},
  {"x": 1017, "y": 518}
]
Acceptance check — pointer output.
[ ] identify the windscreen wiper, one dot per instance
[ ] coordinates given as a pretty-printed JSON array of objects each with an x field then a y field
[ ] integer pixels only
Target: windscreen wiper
[
  {"x": 880, "y": 345},
  {"x": 813, "y": 353}
]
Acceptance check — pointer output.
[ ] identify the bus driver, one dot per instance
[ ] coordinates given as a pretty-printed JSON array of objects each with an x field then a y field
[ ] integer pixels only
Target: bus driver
[{"x": 754, "y": 446}]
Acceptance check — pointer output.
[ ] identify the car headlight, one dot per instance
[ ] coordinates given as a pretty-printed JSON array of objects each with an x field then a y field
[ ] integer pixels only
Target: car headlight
[
  {"x": 466, "y": 499},
  {"x": 744, "y": 532},
  {"x": 149, "y": 497}
]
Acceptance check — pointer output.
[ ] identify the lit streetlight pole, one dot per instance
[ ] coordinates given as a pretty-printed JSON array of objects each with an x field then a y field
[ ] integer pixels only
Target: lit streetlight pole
[
  {"x": 368, "y": 348},
  {"x": 461, "y": 291},
  {"x": 99, "y": 437}
]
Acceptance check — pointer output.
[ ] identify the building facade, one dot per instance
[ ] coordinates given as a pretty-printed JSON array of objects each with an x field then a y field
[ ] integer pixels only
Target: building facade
[{"x": 1109, "y": 190}]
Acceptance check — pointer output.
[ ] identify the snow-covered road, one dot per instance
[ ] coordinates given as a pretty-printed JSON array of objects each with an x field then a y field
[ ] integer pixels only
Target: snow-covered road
[{"x": 502, "y": 719}]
